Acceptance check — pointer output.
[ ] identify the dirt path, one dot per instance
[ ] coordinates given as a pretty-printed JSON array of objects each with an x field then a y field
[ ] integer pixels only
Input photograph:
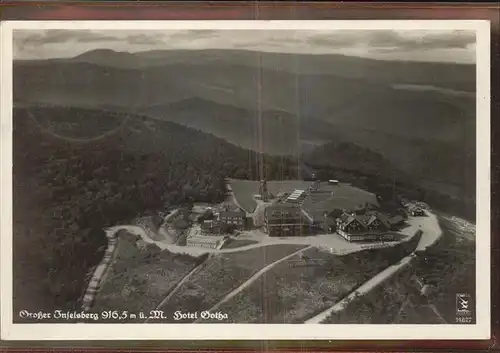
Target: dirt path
[
  {"x": 429, "y": 226},
  {"x": 330, "y": 243},
  {"x": 430, "y": 306},
  {"x": 253, "y": 278},
  {"x": 100, "y": 272},
  {"x": 400, "y": 311},
  {"x": 431, "y": 233},
  {"x": 163, "y": 230},
  {"x": 177, "y": 286},
  {"x": 362, "y": 290},
  {"x": 194, "y": 251},
  {"x": 438, "y": 314}
]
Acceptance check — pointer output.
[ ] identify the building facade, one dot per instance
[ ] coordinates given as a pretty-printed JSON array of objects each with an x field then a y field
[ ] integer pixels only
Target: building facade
[
  {"x": 210, "y": 226},
  {"x": 369, "y": 227},
  {"x": 284, "y": 220},
  {"x": 349, "y": 225},
  {"x": 415, "y": 211},
  {"x": 233, "y": 218},
  {"x": 377, "y": 223}
]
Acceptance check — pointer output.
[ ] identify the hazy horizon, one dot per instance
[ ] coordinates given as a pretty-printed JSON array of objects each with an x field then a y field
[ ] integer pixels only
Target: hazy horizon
[{"x": 450, "y": 46}]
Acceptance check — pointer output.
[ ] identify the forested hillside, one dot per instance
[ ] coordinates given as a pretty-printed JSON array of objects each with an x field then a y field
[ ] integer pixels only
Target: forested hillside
[
  {"x": 370, "y": 170},
  {"x": 77, "y": 171},
  {"x": 69, "y": 183},
  {"x": 419, "y": 116}
]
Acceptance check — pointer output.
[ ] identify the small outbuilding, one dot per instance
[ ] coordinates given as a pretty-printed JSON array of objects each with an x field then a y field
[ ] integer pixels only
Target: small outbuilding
[{"x": 234, "y": 218}]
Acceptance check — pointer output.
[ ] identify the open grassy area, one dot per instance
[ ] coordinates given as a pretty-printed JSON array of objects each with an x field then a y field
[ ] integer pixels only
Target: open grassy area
[
  {"x": 296, "y": 290},
  {"x": 417, "y": 312},
  {"x": 448, "y": 267},
  {"x": 238, "y": 243},
  {"x": 220, "y": 274},
  {"x": 245, "y": 189},
  {"x": 397, "y": 301},
  {"x": 139, "y": 279},
  {"x": 329, "y": 197},
  {"x": 380, "y": 306}
]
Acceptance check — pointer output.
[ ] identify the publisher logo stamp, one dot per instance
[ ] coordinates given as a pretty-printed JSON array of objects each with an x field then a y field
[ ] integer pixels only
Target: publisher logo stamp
[{"x": 463, "y": 308}]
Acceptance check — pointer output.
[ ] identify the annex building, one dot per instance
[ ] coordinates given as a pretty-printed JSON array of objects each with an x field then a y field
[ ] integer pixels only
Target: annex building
[{"x": 367, "y": 227}]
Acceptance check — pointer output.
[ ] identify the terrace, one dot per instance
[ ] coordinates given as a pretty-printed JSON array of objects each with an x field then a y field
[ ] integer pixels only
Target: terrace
[
  {"x": 244, "y": 190},
  {"x": 342, "y": 196},
  {"x": 326, "y": 198}
]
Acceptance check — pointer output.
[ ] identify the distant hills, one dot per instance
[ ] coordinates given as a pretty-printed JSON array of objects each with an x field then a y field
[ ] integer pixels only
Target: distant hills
[
  {"x": 420, "y": 116},
  {"x": 272, "y": 131},
  {"x": 453, "y": 76}
]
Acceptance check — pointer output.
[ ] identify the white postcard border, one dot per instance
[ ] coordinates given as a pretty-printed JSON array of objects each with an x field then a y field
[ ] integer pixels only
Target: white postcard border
[{"x": 481, "y": 330}]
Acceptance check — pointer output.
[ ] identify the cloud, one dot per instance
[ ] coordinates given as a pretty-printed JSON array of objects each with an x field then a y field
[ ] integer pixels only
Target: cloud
[
  {"x": 371, "y": 43},
  {"x": 384, "y": 40},
  {"x": 34, "y": 38},
  {"x": 424, "y": 41},
  {"x": 54, "y": 36},
  {"x": 194, "y": 34},
  {"x": 376, "y": 39},
  {"x": 143, "y": 39},
  {"x": 89, "y": 37},
  {"x": 337, "y": 39}
]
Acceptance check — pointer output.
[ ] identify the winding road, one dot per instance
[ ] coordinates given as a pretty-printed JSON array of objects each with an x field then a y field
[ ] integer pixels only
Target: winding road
[
  {"x": 254, "y": 278},
  {"x": 179, "y": 249},
  {"x": 176, "y": 287},
  {"x": 428, "y": 225},
  {"x": 100, "y": 271},
  {"x": 431, "y": 233},
  {"x": 362, "y": 290}
]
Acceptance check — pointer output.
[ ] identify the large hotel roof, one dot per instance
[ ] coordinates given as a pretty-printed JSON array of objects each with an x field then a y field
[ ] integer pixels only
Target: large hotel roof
[{"x": 296, "y": 196}]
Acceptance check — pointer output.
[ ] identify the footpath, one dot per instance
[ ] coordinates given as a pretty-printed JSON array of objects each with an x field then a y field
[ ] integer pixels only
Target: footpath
[
  {"x": 100, "y": 271},
  {"x": 431, "y": 232}
]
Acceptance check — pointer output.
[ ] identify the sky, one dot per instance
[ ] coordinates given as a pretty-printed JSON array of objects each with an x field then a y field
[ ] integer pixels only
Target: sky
[{"x": 417, "y": 45}]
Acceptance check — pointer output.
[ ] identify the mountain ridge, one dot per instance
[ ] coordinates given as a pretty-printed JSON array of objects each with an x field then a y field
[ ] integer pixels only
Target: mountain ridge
[
  {"x": 350, "y": 66},
  {"x": 409, "y": 127}
]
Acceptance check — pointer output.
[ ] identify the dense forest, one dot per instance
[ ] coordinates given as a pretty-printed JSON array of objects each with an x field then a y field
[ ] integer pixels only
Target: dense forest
[
  {"x": 69, "y": 185},
  {"x": 371, "y": 171},
  {"x": 77, "y": 171}
]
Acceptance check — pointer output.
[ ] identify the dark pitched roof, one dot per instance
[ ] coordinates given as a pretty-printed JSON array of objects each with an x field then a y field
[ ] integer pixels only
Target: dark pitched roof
[
  {"x": 347, "y": 218},
  {"x": 280, "y": 210},
  {"x": 335, "y": 213},
  {"x": 365, "y": 219},
  {"x": 413, "y": 208},
  {"x": 329, "y": 221},
  {"x": 233, "y": 214},
  {"x": 381, "y": 217}
]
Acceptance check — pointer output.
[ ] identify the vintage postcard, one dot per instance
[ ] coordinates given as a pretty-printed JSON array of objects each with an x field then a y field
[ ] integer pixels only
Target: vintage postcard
[{"x": 301, "y": 179}]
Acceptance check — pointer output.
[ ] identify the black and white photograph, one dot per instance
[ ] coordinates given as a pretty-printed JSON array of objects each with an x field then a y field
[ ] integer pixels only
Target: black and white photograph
[{"x": 262, "y": 173}]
